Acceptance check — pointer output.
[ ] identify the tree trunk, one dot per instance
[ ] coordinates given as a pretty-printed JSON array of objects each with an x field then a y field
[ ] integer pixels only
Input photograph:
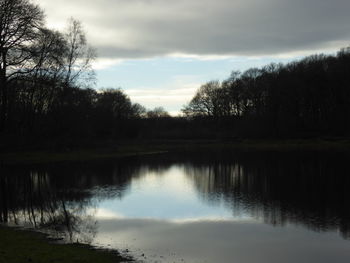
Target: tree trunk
[
  {"x": 3, "y": 91},
  {"x": 4, "y": 100}
]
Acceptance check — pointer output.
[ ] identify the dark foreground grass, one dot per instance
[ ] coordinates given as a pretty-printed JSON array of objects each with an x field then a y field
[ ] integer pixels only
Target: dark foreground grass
[{"x": 20, "y": 246}]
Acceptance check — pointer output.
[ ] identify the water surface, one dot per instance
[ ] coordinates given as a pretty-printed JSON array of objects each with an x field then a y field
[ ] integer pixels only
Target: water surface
[{"x": 203, "y": 207}]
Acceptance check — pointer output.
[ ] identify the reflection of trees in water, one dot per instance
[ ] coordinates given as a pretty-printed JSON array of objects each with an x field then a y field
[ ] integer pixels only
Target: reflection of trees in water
[
  {"x": 300, "y": 188},
  {"x": 32, "y": 200},
  {"x": 62, "y": 199},
  {"x": 279, "y": 188},
  {"x": 310, "y": 190}
]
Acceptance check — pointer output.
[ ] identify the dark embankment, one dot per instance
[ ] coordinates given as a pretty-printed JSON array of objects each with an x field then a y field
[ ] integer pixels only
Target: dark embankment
[{"x": 25, "y": 246}]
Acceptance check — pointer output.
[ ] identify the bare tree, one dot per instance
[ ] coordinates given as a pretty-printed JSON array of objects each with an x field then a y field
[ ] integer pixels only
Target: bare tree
[
  {"x": 114, "y": 102},
  {"x": 20, "y": 23},
  {"x": 48, "y": 69},
  {"x": 158, "y": 112},
  {"x": 207, "y": 101},
  {"x": 138, "y": 110},
  {"x": 79, "y": 55},
  {"x": 49, "y": 52}
]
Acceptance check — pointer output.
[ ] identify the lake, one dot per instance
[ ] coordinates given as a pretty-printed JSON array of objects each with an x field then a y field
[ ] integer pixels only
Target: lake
[{"x": 218, "y": 206}]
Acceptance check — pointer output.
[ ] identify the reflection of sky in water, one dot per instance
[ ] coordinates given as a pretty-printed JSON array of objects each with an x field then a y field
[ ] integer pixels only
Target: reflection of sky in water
[
  {"x": 245, "y": 211},
  {"x": 163, "y": 218},
  {"x": 221, "y": 241},
  {"x": 169, "y": 196}
]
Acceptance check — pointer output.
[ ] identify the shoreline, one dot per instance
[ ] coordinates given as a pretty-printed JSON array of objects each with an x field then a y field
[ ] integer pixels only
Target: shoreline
[
  {"x": 116, "y": 150},
  {"x": 18, "y": 245}
]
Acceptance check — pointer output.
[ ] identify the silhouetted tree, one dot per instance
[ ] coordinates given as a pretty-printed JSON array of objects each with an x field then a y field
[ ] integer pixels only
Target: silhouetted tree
[
  {"x": 157, "y": 112},
  {"x": 310, "y": 96},
  {"x": 208, "y": 101},
  {"x": 78, "y": 56},
  {"x": 139, "y": 111},
  {"x": 20, "y": 23}
]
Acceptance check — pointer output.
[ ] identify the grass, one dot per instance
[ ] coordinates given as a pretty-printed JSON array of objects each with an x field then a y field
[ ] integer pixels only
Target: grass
[
  {"x": 21, "y": 246},
  {"x": 115, "y": 150}
]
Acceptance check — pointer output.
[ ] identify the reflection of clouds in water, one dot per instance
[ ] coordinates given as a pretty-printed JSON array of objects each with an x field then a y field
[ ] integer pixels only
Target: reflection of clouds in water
[
  {"x": 209, "y": 219},
  {"x": 154, "y": 203},
  {"x": 170, "y": 195},
  {"x": 104, "y": 214},
  {"x": 110, "y": 214},
  {"x": 223, "y": 241},
  {"x": 172, "y": 180}
]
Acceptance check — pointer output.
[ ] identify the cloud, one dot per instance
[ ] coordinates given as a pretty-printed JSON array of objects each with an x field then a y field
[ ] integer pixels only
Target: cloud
[
  {"x": 103, "y": 63},
  {"x": 123, "y": 29},
  {"x": 172, "y": 97}
]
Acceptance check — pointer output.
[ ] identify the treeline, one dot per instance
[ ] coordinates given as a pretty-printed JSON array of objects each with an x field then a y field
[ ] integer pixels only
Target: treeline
[
  {"x": 46, "y": 94},
  {"x": 310, "y": 97},
  {"x": 41, "y": 70},
  {"x": 45, "y": 80}
]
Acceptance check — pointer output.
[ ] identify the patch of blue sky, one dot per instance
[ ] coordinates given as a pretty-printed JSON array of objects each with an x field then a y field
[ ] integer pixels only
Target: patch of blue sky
[
  {"x": 151, "y": 73},
  {"x": 172, "y": 81}
]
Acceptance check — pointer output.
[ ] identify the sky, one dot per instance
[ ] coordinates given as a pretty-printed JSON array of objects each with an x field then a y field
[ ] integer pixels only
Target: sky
[{"x": 161, "y": 51}]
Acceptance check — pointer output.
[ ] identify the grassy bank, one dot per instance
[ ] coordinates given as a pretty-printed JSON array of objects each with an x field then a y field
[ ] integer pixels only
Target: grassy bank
[
  {"x": 20, "y": 246},
  {"x": 112, "y": 150}
]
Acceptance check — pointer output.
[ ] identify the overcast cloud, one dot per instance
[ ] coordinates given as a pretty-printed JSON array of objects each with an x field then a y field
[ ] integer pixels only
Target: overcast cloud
[{"x": 123, "y": 29}]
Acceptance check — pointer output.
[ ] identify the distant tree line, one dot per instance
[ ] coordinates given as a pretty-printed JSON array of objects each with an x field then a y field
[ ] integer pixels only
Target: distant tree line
[
  {"x": 310, "y": 96},
  {"x": 46, "y": 94}
]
